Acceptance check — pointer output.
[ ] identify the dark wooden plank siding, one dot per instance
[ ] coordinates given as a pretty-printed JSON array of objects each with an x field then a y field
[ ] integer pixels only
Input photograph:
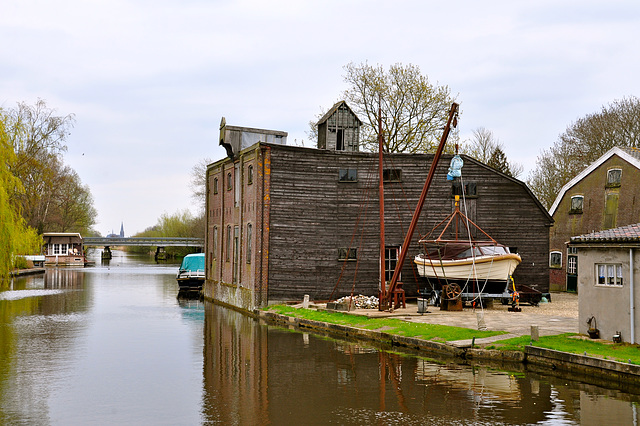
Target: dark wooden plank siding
[{"x": 312, "y": 215}]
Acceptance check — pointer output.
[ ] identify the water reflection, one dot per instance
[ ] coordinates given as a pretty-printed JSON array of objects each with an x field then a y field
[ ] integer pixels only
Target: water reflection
[
  {"x": 258, "y": 374},
  {"x": 41, "y": 318},
  {"x": 112, "y": 344}
]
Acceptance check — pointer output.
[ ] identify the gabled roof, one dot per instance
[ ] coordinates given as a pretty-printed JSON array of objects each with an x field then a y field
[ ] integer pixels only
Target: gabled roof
[
  {"x": 631, "y": 155},
  {"x": 623, "y": 234},
  {"x": 334, "y": 109},
  {"x": 511, "y": 178}
]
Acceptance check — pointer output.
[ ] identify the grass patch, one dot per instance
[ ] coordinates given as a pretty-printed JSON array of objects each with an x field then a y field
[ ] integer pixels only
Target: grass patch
[
  {"x": 575, "y": 344},
  {"x": 387, "y": 325}
]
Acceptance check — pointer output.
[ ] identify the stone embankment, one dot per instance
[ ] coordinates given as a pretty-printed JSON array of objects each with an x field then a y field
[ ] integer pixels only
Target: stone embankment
[{"x": 559, "y": 316}]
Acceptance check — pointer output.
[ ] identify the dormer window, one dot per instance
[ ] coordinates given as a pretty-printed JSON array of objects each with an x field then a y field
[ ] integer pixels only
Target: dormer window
[
  {"x": 614, "y": 177},
  {"x": 577, "y": 203}
]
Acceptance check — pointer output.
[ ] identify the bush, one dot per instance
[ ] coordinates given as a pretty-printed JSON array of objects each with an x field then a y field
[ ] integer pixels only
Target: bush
[{"x": 20, "y": 262}]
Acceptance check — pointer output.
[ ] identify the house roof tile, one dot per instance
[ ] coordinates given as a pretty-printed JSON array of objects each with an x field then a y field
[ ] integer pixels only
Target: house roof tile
[{"x": 623, "y": 234}]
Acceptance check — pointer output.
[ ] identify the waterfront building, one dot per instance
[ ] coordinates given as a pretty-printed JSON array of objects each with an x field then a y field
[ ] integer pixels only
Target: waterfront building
[
  {"x": 608, "y": 282},
  {"x": 63, "y": 248},
  {"x": 285, "y": 221},
  {"x": 603, "y": 196}
]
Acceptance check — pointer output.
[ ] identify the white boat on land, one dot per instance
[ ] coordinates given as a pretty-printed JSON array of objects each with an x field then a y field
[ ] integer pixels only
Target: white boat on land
[
  {"x": 452, "y": 253},
  {"x": 479, "y": 263}
]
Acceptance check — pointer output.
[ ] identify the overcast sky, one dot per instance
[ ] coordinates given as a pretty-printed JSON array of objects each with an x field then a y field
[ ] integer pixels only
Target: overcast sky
[{"x": 150, "y": 80}]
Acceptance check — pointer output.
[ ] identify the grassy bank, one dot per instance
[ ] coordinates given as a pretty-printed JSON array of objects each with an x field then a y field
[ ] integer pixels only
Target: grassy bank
[
  {"x": 398, "y": 327},
  {"x": 575, "y": 344},
  {"x": 568, "y": 342}
]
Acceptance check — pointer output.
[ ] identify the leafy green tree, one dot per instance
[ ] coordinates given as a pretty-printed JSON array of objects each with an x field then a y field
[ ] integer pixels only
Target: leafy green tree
[
  {"x": 414, "y": 111},
  {"x": 53, "y": 198},
  {"x": 584, "y": 141},
  {"x": 179, "y": 224}
]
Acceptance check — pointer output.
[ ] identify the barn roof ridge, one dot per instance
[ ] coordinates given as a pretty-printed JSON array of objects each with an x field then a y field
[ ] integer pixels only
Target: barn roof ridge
[
  {"x": 632, "y": 156},
  {"x": 334, "y": 108}
]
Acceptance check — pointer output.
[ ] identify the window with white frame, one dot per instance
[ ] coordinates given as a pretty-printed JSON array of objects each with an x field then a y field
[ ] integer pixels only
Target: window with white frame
[
  {"x": 609, "y": 274},
  {"x": 555, "y": 259},
  {"x": 572, "y": 265}
]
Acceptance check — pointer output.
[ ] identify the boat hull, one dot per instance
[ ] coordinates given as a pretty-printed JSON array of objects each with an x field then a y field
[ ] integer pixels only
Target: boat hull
[{"x": 482, "y": 268}]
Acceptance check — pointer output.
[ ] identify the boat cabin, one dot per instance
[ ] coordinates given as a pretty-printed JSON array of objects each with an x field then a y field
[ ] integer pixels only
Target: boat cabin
[{"x": 63, "y": 248}]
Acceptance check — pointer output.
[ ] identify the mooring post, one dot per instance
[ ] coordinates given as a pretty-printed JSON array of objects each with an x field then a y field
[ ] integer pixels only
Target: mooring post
[{"x": 535, "y": 333}]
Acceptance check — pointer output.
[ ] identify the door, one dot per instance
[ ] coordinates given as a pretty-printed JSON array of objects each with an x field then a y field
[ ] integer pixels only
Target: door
[{"x": 572, "y": 273}]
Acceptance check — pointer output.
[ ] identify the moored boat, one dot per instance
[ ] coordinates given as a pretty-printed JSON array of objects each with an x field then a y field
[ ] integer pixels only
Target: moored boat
[{"x": 191, "y": 273}]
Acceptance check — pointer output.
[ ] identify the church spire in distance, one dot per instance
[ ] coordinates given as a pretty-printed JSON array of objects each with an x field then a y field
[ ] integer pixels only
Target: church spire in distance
[{"x": 121, "y": 229}]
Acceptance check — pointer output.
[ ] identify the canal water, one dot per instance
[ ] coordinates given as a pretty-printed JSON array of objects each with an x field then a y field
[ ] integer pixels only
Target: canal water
[{"x": 112, "y": 344}]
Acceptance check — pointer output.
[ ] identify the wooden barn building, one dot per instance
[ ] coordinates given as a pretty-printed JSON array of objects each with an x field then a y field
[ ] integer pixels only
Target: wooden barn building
[{"x": 285, "y": 221}]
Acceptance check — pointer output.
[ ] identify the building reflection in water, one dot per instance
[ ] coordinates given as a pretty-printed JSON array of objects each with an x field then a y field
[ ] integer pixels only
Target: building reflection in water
[{"x": 258, "y": 374}]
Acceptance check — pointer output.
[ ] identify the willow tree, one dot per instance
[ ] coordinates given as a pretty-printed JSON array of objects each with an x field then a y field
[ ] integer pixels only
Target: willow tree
[
  {"x": 414, "y": 111},
  {"x": 584, "y": 141},
  {"x": 15, "y": 237}
]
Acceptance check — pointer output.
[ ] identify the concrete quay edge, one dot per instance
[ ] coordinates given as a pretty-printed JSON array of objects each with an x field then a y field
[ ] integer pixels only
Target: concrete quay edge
[
  {"x": 30, "y": 271},
  {"x": 550, "y": 360}
]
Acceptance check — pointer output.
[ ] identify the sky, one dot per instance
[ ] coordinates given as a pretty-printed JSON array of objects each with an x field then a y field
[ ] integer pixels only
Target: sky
[{"x": 149, "y": 80}]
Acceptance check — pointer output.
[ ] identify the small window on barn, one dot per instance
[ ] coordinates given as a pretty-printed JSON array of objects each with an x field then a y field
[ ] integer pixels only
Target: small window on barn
[
  {"x": 249, "y": 175},
  {"x": 470, "y": 189},
  {"x": 345, "y": 253},
  {"x": 392, "y": 175},
  {"x": 348, "y": 175},
  {"x": 229, "y": 182},
  {"x": 215, "y": 185},
  {"x": 614, "y": 177},
  {"x": 609, "y": 274},
  {"x": 577, "y": 202},
  {"x": 555, "y": 259}
]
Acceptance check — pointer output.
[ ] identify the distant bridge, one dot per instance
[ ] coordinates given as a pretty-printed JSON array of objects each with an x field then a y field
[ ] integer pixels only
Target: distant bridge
[
  {"x": 143, "y": 241},
  {"x": 160, "y": 243}
]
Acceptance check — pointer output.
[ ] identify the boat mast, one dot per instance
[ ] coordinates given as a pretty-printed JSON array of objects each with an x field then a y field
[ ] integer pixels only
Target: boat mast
[
  {"x": 453, "y": 120},
  {"x": 383, "y": 284}
]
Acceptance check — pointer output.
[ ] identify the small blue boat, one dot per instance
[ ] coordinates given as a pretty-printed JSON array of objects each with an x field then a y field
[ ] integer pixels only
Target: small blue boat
[{"x": 191, "y": 273}]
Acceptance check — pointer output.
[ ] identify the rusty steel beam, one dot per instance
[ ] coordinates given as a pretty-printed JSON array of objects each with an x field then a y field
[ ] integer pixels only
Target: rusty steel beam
[{"x": 453, "y": 113}]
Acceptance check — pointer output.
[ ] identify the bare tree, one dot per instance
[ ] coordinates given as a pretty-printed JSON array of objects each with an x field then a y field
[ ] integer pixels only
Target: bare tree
[
  {"x": 486, "y": 148},
  {"x": 198, "y": 182},
  {"x": 584, "y": 141},
  {"x": 414, "y": 111}
]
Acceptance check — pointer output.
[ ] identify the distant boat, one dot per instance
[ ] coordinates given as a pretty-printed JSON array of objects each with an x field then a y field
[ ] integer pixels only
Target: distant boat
[{"x": 191, "y": 273}]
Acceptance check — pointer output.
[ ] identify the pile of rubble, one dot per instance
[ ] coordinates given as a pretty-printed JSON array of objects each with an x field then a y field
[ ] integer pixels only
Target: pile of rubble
[{"x": 360, "y": 302}]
